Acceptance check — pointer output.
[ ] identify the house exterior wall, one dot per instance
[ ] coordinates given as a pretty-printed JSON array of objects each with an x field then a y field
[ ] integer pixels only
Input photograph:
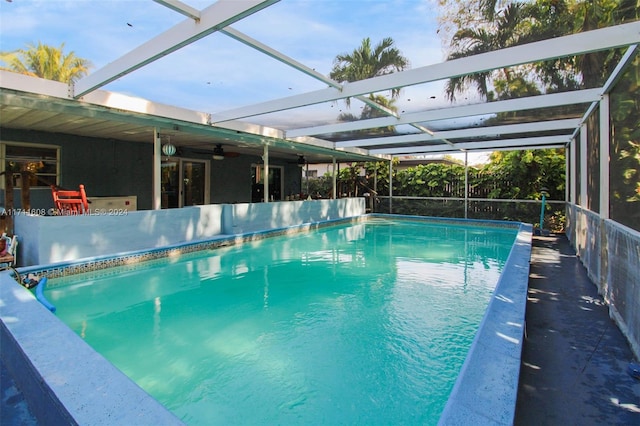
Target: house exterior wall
[
  {"x": 114, "y": 168},
  {"x": 231, "y": 180},
  {"x": 106, "y": 167}
]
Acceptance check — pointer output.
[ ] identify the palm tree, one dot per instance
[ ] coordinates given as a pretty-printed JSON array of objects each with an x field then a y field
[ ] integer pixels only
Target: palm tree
[
  {"x": 524, "y": 22},
  {"x": 367, "y": 62},
  {"x": 46, "y": 61},
  {"x": 505, "y": 32},
  {"x": 368, "y": 112}
]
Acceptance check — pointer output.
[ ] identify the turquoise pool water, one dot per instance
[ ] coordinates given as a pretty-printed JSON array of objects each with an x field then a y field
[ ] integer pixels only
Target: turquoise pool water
[{"x": 352, "y": 324}]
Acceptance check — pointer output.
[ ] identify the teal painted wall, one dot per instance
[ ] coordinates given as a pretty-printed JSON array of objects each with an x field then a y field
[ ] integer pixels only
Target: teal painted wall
[{"x": 111, "y": 168}]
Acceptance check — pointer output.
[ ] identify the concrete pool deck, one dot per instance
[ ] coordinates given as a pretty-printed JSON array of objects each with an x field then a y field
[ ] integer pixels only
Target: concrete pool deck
[{"x": 574, "y": 359}]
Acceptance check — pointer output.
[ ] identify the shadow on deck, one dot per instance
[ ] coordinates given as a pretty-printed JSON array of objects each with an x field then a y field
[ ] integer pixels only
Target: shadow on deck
[{"x": 575, "y": 359}]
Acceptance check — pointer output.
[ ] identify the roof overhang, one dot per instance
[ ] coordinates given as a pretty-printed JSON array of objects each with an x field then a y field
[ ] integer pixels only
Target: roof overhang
[{"x": 31, "y": 103}]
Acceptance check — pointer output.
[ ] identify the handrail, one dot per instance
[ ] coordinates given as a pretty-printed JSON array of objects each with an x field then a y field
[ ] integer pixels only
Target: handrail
[{"x": 497, "y": 200}]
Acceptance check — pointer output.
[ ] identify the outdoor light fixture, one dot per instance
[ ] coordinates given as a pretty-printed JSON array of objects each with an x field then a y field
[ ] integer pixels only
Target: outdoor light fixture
[
  {"x": 218, "y": 152},
  {"x": 168, "y": 149},
  {"x": 301, "y": 161}
]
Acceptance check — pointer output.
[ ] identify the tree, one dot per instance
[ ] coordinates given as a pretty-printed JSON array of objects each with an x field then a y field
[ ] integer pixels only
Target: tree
[
  {"x": 505, "y": 31},
  {"x": 625, "y": 149},
  {"x": 367, "y": 62},
  {"x": 377, "y": 175},
  {"x": 527, "y": 171},
  {"x": 370, "y": 112},
  {"x": 482, "y": 28},
  {"x": 546, "y": 19},
  {"x": 47, "y": 62}
]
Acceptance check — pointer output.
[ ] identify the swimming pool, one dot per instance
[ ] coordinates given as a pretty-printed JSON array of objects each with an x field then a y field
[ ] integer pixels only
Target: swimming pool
[{"x": 348, "y": 324}]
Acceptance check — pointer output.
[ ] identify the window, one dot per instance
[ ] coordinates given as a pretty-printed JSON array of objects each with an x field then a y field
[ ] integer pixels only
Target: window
[
  {"x": 276, "y": 183},
  {"x": 41, "y": 162}
]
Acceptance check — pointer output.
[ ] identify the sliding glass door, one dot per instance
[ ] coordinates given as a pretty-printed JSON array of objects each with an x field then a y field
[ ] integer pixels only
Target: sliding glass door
[
  {"x": 276, "y": 183},
  {"x": 184, "y": 183}
]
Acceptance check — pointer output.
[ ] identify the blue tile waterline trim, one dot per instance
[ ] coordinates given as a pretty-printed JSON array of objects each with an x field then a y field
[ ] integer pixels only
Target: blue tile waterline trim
[
  {"x": 28, "y": 324},
  {"x": 92, "y": 264}
]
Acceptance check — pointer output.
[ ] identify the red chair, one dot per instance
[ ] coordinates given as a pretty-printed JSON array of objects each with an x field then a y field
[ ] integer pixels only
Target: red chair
[
  {"x": 9, "y": 253},
  {"x": 69, "y": 202}
]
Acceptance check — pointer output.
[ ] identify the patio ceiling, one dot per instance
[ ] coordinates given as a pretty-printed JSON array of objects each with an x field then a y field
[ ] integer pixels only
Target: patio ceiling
[{"x": 543, "y": 121}]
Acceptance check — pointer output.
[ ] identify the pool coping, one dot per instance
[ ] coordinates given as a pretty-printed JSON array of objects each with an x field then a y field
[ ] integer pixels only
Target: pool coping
[
  {"x": 57, "y": 386},
  {"x": 487, "y": 387},
  {"x": 63, "y": 380}
]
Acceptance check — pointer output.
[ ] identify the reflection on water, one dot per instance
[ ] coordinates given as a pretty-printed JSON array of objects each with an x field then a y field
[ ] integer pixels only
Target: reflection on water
[{"x": 364, "y": 324}]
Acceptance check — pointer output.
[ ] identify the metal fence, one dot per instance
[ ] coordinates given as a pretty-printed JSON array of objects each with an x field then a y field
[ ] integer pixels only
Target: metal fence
[{"x": 528, "y": 211}]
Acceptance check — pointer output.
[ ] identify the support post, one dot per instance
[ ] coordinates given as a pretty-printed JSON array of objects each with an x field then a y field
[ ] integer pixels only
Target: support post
[
  {"x": 8, "y": 201},
  {"x": 157, "y": 168},
  {"x": 306, "y": 177},
  {"x": 605, "y": 135},
  {"x": 583, "y": 167},
  {"x": 390, "y": 185},
  {"x": 374, "y": 196},
  {"x": 571, "y": 171},
  {"x": 333, "y": 159},
  {"x": 25, "y": 187},
  {"x": 265, "y": 179},
  {"x": 466, "y": 184}
]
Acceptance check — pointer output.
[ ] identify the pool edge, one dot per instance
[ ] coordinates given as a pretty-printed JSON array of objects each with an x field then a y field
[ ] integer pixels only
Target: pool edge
[
  {"x": 487, "y": 386},
  {"x": 25, "y": 354},
  {"x": 50, "y": 364}
]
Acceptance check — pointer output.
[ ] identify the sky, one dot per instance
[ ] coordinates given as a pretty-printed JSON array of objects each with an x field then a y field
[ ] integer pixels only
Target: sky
[{"x": 218, "y": 73}]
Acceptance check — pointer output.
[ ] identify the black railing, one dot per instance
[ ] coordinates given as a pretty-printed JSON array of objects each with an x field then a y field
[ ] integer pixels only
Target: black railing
[{"x": 527, "y": 211}]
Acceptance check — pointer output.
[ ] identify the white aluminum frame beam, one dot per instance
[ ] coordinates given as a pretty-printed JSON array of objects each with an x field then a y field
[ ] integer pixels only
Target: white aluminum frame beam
[
  {"x": 572, "y": 171},
  {"x": 531, "y": 102},
  {"x": 156, "y": 183},
  {"x": 616, "y": 74},
  {"x": 474, "y": 132},
  {"x": 508, "y": 148},
  {"x": 261, "y": 47},
  {"x": 181, "y": 8},
  {"x": 212, "y": 19},
  {"x": 584, "y": 167},
  {"x": 613, "y": 78},
  {"x": 575, "y": 44},
  {"x": 25, "y": 83},
  {"x": 520, "y": 143}
]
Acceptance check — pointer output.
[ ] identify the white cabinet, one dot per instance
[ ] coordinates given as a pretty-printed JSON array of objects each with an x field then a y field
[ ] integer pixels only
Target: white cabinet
[{"x": 116, "y": 205}]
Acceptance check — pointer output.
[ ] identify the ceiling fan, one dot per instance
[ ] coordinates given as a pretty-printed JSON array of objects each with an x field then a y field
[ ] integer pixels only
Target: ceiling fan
[
  {"x": 219, "y": 153},
  {"x": 300, "y": 161}
]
